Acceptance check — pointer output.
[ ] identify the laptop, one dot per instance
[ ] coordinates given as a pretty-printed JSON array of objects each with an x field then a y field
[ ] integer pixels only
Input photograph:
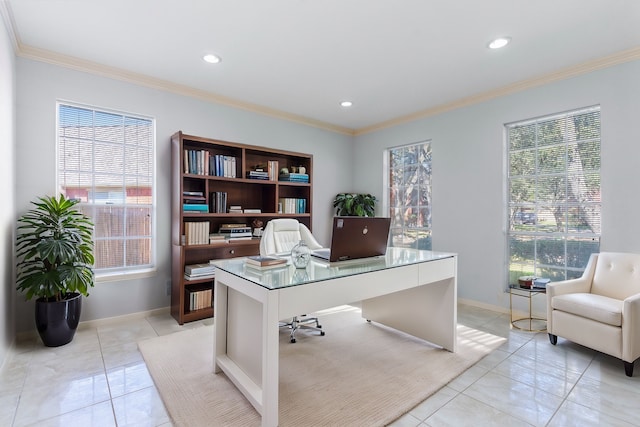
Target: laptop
[{"x": 355, "y": 237}]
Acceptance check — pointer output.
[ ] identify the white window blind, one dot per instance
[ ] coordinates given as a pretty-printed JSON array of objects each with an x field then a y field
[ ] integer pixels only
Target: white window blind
[
  {"x": 554, "y": 208},
  {"x": 106, "y": 160},
  {"x": 409, "y": 195}
]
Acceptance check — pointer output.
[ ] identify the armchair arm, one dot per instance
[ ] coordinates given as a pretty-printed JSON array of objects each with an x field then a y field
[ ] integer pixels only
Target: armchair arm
[
  {"x": 631, "y": 328},
  {"x": 572, "y": 286}
]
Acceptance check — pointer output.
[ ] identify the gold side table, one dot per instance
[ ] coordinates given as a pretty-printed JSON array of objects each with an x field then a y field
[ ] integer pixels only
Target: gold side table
[{"x": 516, "y": 290}]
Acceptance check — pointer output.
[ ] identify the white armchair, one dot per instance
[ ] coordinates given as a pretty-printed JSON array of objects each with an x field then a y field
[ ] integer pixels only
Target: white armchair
[{"x": 601, "y": 309}]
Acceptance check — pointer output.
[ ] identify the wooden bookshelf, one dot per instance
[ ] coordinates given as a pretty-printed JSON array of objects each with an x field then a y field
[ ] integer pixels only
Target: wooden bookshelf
[{"x": 194, "y": 172}]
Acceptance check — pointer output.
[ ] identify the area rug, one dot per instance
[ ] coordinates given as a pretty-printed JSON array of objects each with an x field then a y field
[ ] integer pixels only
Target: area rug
[{"x": 358, "y": 374}]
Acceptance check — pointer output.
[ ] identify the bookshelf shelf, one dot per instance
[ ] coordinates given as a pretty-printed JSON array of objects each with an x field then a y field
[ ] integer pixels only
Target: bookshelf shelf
[{"x": 213, "y": 173}]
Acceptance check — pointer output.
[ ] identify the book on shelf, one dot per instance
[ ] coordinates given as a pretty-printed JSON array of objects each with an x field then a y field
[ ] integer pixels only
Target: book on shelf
[
  {"x": 200, "y": 299},
  {"x": 191, "y": 278},
  {"x": 243, "y": 237},
  {"x": 215, "y": 239},
  {"x": 258, "y": 174},
  {"x": 235, "y": 209},
  {"x": 196, "y": 233},
  {"x": 235, "y": 231},
  {"x": 221, "y": 165},
  {"x": 272, "y": 170},
  {"x": 292, "y": 205},
  {"x": 193, "y": 194},
  {"x": 232, "y": 225},
  {"x": 196, "y": 162},
  {"x": 294, "y": 177},
  {"x": 195, "y": 207},
  {"x": 218, "y": 202},
  {"x": 252, "y": 211},
  {"x": 199, "y": 269},
  {"x": 264, "y": 261}
]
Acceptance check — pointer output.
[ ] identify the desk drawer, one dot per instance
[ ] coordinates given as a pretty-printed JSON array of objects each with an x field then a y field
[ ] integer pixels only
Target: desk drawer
[{"x": 232, "y": 251}]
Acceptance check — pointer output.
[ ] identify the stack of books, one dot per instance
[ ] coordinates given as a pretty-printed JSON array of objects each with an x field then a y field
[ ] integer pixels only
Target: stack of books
[
  {"x": 235, "y": 209},
  {"x": 194, "y": 201},
  {"x": 199, "y": 271},
  {"x": 215, "y": 239},
  {"x": 265, "y": 262},
  {"x": 294, "y": 177},
  {"x": 258, "y": 174},
  {"x": 235, "y": 231}
]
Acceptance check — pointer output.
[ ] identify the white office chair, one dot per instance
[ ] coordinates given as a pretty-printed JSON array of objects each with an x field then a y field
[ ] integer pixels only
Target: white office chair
[{"x": 280, "y": 236}]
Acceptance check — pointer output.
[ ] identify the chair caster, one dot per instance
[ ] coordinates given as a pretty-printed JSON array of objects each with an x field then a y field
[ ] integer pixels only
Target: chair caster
[
  {"x": 553, "y": 339},
  {"x": 292, "y": 340},
  {"x": 369, "y": 320},
  {"x": 321, "y": 333}
]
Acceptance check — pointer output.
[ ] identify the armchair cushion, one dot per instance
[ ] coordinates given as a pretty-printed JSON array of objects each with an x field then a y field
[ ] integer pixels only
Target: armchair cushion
[{"x": 591, "y": 306}]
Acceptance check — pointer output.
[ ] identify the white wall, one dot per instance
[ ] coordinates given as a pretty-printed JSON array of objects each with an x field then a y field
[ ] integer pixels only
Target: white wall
[
  {"x": 469, "y": 163},
  {"x": 7, "y": 142},
  {"x": 39, "y": 85}
]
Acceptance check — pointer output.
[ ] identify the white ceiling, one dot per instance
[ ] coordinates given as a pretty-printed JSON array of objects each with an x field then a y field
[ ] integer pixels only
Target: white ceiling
[{"x": 300, "y": 58}]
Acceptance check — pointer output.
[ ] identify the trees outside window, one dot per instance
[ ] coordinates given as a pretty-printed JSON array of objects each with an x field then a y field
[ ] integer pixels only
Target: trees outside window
[
  {"x": 106, "y": 161},
  {"x": 554, "y": 206},
  {"x": 409, "y": 195}
]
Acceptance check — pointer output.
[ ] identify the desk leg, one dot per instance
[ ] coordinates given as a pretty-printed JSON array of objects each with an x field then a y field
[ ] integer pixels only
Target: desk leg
[
  {"x": 428, "y": 312},
  {"x": 220, "y": 324},
  {"x": 270, "y": 361}
]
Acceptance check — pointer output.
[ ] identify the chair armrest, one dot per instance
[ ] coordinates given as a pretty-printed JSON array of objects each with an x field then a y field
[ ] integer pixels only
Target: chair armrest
[
  {"x": 572, "y": 286},
  {"x": 631, "y": 328}
]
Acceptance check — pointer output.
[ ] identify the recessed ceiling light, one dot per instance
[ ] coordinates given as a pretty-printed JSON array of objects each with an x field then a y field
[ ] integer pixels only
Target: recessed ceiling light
[
  {"x": 346, "y": 103},
  {"x": 212, "y": 59},
  {"x": 499, "y": 42}
]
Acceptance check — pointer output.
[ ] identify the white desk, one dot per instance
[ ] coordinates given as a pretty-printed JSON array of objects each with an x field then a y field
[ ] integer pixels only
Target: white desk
[{"x": 409, "y": 290}]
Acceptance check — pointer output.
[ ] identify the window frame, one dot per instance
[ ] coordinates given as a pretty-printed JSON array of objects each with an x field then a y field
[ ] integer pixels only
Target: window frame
[
  {"x": 387, "y": 198},
  {"x": 120, "y": 272},
  {"x": 574, "y": 261}
]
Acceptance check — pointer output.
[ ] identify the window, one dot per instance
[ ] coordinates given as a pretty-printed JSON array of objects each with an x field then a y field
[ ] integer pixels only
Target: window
[
  {"x": 409, "y": 195},
  {"x": 105, "y": 159},
  {"x": 553, "y": 194}
]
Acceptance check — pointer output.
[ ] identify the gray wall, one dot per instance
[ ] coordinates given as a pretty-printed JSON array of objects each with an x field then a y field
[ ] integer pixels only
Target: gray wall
[
  {"x": 469, "y": 170},
  {"x": 39, "y": 85},
  {"x": 7, "y": 190}
]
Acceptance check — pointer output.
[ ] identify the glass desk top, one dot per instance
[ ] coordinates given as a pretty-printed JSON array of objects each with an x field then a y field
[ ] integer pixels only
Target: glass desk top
[{"x": 318, "y": 270}]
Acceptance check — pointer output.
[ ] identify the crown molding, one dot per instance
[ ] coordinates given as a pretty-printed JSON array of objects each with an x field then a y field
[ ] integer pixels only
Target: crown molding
[
  {"x": 43, "y": 55},
  {"x": 9, "y": 23},
  {"x": 78, "y": 64},
  {"x": 565, "y": 73}
]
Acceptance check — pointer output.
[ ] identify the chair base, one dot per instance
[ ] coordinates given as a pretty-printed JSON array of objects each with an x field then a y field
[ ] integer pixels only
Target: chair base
[
  {"x": 302, "y": 322},
  {"x": 628, "y": 366}
]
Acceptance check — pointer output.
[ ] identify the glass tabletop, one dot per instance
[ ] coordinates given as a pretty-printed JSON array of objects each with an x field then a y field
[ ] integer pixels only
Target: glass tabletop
[{"x": 318, "y": 270}]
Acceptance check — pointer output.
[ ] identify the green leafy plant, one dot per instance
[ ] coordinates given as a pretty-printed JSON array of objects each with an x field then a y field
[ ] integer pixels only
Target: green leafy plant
[
  {"x": 352, "y": 204},
  {"x": 55, "y": 250}
]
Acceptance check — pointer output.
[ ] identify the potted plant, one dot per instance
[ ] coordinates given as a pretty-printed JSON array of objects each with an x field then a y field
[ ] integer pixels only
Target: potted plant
[
  {"x": 54, "y": 248},
  {"x": 352, "y": 204}
]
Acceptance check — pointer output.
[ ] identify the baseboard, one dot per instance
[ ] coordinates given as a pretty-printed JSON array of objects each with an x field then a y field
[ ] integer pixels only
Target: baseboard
[{"x": 479, "y": 304}]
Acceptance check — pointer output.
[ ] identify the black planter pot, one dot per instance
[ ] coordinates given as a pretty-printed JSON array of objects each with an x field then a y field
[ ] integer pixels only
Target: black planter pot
[{"x": 57, "y": 321}]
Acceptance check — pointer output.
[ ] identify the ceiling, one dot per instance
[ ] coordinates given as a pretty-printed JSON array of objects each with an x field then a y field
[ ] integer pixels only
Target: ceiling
[{"x": 297, "y": 59}]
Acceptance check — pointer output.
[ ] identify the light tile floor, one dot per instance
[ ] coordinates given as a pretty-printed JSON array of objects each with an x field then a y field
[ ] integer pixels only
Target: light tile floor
[{"x": 100, "y": 379}]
